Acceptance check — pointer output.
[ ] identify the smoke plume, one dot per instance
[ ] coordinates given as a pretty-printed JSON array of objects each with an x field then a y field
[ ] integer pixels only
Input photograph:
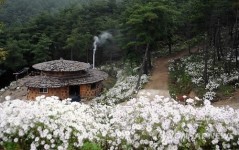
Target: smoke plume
[{"x": 99, "y": 40}]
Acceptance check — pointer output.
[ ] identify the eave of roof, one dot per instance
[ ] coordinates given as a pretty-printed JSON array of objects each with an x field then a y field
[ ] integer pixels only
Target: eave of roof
[{"x": 56, "y": 82}]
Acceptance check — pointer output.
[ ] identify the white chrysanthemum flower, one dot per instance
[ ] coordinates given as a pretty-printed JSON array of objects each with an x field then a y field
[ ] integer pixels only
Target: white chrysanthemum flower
[
  {"x": 7, "y": 98},
  {"x": 46, "y": 146},
  {"x": 207, "y": 102},
  {"x": 166, "y": 124},
  {"x": 190, "y": 101},
  {"x": 15, "y": 140}
]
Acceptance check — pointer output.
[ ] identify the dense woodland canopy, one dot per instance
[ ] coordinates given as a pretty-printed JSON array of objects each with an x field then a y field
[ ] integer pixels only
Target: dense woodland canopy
[
  {"x": 17, "y": 12},
  {"x": 33, "y": 31}
]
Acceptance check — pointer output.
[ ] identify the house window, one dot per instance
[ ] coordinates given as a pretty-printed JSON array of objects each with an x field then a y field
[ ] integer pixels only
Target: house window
[
  {"x": 43, "y": 90},
  {"x": 93, "y": 86}
]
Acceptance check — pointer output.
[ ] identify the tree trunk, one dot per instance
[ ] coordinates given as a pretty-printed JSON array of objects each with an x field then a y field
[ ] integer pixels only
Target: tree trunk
[
  {"x": 169, "y": 48},
  {"x": 149, "y": 59},
  {"x": 214, "y": 36},
  {"x": 236, "y": 40},
  {"x": 71, "y": 54},
  {"x": 205, "y": 72},
  {"x": 87, "y": 55},
  {"x": 189, "y": 48},
  {"x": 142, "y": 67},
  {"x": 169, "y": 45},
  {"x": 214, "y": 60},
  {"x": 145, "y": 68},
  {"x": 236, "y": 55},
  {"x": 218, "y": 45}
]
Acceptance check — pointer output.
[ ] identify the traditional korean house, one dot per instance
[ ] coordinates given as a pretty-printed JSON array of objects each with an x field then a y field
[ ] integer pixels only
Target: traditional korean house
[{"x": 65, "y": 78}]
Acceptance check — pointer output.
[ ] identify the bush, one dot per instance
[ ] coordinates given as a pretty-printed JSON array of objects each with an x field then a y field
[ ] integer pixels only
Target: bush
[{"x": 179, "y": 82}]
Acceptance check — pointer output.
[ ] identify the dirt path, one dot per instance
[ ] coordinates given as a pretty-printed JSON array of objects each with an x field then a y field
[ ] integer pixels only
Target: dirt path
[
  {"x": 158, "y": 83},
  {"x": 232, "y": 101}
]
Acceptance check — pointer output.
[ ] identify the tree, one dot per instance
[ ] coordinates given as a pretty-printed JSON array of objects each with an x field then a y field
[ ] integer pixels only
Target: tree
[
  {"x": 15, "y": 59},
  {"x": 3, "y": 55},
  {"x": 144, "y": 25},
  {"x": 42, "y": 49}
]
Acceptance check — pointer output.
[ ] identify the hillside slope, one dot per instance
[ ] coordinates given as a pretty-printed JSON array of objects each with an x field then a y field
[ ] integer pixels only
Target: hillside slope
[{"x": 17, "y": 12}]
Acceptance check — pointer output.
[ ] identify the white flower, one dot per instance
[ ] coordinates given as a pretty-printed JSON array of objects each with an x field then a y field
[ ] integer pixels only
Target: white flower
[
  {"x": 33, "y": 146},
  {"x": 158, "y": 123},
  {"x": 46, "y": 146},
  {"x": 7, "y": 98},
  {"x": 49, "y": 136},
  {"x": 37, "y": 139},
  {"x": 207, "y": 102},
  {"x": 15, "y": 140},
  {"x": 166, "y": 124},
  {"x": 60, "y": 148},
  {"x": 148, "y": 128},
  {"x": 176, "y": 118}
]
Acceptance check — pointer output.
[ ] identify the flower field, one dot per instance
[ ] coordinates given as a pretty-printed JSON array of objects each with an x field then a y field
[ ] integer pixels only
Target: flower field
[
  {"x": 142, "y": 123},
  {"x": 124, "y": 87},
  {"x": 161, "y": 123},
  {"x": 189, "y": 74}
]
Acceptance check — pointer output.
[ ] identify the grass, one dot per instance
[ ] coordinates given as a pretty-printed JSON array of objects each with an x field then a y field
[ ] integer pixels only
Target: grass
[{"x": 10, "y": 146}]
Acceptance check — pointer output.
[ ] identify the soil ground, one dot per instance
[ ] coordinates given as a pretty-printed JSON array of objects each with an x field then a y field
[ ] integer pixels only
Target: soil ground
[
  {"x": 16, "y": 90},
  {"x": 158, "y": 82}
]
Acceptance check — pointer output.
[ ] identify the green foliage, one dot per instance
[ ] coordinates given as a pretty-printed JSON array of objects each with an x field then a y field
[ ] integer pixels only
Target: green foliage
[
  {"x": 225, "y": 91},
  {"x": 146, "y": 23},
  {"x": 90, "y": 146},
  {"x": 3, "y": 54},
  {"x": 11, "y": 146},
  {"x": 67, "y": 34},
  {"x": 42, "y": 49},
  {"x": 15, "y": 58},
  {"x": 179, "y": 83},
  {"x": 17, "y": 12},
  {"x": 199, "y": 90}
]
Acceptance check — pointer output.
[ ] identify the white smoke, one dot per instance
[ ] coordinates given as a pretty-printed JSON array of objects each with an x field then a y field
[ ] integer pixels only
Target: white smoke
[
  {"x": 96, "y": 41},
  {"x": 99, "y": 40},
  {"x": 104, "y": 36}
]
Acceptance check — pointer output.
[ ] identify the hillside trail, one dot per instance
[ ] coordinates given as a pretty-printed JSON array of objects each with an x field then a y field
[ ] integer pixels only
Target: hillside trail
[{"x": 158, "y": 82}]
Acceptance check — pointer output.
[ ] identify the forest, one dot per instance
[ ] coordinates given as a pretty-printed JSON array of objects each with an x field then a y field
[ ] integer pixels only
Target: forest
[{"x": 47, "y": 30}]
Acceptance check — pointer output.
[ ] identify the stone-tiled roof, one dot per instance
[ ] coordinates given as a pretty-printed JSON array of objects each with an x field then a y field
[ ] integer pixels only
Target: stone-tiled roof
[
  {"x": 62, "y": 65},
  {"x": 56, "y": 82}
]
